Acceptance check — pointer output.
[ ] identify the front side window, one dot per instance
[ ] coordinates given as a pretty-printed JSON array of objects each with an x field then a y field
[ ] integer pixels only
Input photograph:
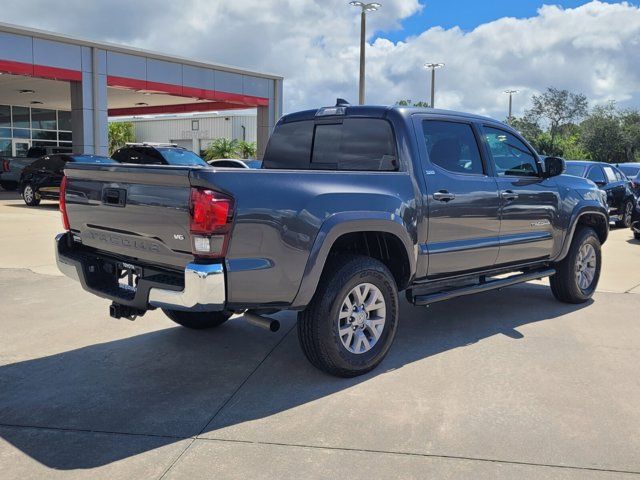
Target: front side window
[
  {"x": 452, "y": 146},
  {"x": 596, "y": 175},
  {"x": 511, "y": 156}
]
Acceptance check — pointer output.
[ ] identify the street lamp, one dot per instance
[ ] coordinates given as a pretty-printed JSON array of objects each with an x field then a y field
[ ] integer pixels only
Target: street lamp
[
  {"x": 510, "y": 93},
  {"x": 433, "y": 67},
  {"x": 365, "y": 7}
]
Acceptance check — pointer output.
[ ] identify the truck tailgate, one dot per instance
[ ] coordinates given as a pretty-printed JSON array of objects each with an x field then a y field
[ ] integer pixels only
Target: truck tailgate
[{"x": 140, "y": 212}]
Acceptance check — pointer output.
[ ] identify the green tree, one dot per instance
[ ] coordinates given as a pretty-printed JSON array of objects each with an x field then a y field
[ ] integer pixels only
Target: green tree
[
  {"x": 409, "y": 103},
  {"x": 247, "y": 149},
  {"x": 601, "y": 134},
  {"x": 558, "y": 107},
  {"x": 221, "y": 148},
  {"x": 120, "y": 133},
  {"x": 528, "y": 127},
  {"x": 630, "y": 126}
]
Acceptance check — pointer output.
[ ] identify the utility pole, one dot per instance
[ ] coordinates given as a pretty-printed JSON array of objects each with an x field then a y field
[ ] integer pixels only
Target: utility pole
[
  {"x": 365, "y": 7},
  {"x": 510, "y": 93},
  {"x": 433, "y": 67}
]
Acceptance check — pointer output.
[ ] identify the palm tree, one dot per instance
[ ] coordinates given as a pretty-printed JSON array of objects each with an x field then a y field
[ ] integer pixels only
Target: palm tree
[
  {"x": 247, "y": 149},
  {"x": 221, "y": 148}
]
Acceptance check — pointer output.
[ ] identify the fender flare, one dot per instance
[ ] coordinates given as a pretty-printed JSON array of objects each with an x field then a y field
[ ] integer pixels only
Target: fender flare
[
  {"x": 575, "y": 218},
  {"x": 340, "y": 224}
]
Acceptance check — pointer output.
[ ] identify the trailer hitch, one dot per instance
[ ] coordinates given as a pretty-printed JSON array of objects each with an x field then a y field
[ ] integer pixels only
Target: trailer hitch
[{"x": 117, "y": 310}]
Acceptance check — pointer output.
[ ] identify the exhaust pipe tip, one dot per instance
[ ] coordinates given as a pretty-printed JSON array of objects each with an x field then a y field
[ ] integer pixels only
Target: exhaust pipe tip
[{"x": 270, "y": 324}]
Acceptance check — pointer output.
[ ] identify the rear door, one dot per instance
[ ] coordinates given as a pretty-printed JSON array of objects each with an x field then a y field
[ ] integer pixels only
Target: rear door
[
  {"x": 529, "y": 203},
  {"x": 616, "y": 185},
  {"x": 463, "y": 203}
]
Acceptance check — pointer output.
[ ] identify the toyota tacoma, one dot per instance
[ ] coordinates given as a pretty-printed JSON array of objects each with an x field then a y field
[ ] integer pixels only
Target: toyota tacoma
[{"x": 352, "y": 205}]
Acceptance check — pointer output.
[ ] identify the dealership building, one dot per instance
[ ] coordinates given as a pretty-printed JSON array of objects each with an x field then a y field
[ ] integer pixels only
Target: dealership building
[
  {"x": 194, "y": 131},
  {"x": 57, "y": 90}
]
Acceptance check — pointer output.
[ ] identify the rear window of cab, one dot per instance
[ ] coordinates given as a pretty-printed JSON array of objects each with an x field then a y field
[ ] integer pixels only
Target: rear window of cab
[{"x": 356, "y": 144}]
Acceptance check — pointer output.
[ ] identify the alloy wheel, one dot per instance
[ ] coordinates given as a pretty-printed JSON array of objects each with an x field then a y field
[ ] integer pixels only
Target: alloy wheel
[{"x": 361, "y": 319}]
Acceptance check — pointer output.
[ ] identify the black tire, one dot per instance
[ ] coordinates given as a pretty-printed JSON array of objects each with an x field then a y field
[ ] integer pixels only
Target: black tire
[
  {"x": 9, "y": 186},
  {"x": 319, "y": 323},
  {"x": 198, "y": 320},
  {"x": 30, "y": 195},
  {"x": 636, "y": 235},
  {"x": 564, "y": 284},
  {"x": 627, "y": 215}
]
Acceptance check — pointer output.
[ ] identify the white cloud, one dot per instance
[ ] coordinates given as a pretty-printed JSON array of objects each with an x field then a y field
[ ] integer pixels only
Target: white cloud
[{"x": 593, "y": 49}]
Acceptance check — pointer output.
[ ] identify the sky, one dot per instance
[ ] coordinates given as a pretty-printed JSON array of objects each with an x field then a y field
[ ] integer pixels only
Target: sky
[{"x": 592, "y": 47}]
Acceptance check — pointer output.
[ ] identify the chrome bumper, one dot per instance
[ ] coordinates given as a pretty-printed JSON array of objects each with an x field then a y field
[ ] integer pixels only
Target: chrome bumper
[{"x": 204, "y": 285}]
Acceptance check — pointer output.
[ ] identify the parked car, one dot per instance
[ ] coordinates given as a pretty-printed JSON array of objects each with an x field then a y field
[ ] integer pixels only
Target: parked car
[
  {"x": 620, "y": 195},
  {"x": 11, "y": 167},
  {"x": 353, "y": 205},
  {"x": 235, "y": 163},
  {"x": 631, "y": 169},
  {"x": 157, "y": 154},
  {"x": 41, "y": 180}
]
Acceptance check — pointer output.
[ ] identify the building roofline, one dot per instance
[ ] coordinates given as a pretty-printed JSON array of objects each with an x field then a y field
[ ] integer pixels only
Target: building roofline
[{"x": 114, "y": 47}]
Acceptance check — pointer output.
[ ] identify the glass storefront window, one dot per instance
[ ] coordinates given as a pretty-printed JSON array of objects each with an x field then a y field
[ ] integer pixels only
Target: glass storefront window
[
  {"x": 64, "y": 120},
  {"x": 21, "y": 117},
  {"x": 43, "y": 135},
  {"x": 64, "y": 136},
  {"x": 5, "y": 148},
  {"x": 43, "y": 119},
  {"x": 21, "y": 133},
  {"x": 5, "y": 116},
  {"x": 5, "y": 132}
]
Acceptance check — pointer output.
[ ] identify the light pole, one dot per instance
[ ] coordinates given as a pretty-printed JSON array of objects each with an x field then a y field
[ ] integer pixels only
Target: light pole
[
  {"x": 510, "y": 93},
  {"x": 365, "y": 7},
  {"x": 433, "y": 67}
]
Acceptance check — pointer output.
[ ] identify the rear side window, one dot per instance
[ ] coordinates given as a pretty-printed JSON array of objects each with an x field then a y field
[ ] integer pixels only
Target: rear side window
[
  {"x": 360, "y": 144},
  {"x": 181, "y": 156},
  {"x": 452, "y": 146}
]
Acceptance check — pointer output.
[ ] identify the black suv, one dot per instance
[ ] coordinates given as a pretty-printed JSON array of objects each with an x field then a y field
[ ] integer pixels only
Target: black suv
[
  {"x": 608, "y": 178},
  {"x": 157, "y": 154},
  {"x": 41, "y": 180}
]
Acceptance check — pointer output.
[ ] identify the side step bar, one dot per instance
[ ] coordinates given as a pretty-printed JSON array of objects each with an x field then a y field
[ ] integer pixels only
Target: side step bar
[{"x": 482, "y": 287}]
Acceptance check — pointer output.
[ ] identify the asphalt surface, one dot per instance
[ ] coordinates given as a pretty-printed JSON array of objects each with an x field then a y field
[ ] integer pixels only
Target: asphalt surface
[{"x": 507, "y": 384}]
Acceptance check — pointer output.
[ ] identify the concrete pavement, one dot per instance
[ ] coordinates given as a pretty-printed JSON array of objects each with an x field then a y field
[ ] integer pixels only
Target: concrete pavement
[{"x": 508, "y": 384}]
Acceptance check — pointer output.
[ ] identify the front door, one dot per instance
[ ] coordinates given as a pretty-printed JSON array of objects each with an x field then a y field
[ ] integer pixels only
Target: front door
[
  {"x": 463, "y": 202},
  {"x": 529, "y": 202},
  {"x": 20, "y": 148}
]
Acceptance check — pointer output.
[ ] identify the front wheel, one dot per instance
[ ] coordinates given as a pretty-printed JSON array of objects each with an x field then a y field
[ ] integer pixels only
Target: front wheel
[
  {"x": 30, "y": 195},
  {"x": 627, "y": 214},
  {"x": 197, "y": 320},
  {"x": 350, "y": 324},
  {"x": 577, "y": 274}
]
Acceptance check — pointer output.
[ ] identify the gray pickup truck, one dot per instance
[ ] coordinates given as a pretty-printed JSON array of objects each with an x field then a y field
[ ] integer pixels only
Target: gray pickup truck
[{"x": 353, "y": 205}]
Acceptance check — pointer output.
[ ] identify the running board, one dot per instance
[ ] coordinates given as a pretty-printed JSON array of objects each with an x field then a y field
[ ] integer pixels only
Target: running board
[{"x": 482, "y": 287}]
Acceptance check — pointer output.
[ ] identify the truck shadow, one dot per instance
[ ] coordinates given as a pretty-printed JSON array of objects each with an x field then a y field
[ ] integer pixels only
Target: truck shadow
[{"x": 161, "y": 387}]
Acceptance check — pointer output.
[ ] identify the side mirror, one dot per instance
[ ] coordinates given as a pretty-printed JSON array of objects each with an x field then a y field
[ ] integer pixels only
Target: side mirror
[
  {"x": 554, "y": 166},
  {"x": 601, "y": 184}
]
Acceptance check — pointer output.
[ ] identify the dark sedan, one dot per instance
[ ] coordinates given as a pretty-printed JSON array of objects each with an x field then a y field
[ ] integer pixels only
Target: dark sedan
[
  {"x": 620, "y": 196},
  {"x": 632, "y": 171},
  {"x": 41, "y": 180}
]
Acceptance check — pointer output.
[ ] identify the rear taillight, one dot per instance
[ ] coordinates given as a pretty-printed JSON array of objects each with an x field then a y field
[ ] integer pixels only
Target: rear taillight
[
  {"x": 5, "y": 165},
  {"x": 211, "y": 221},
  {"x": 63, "y": 203}
]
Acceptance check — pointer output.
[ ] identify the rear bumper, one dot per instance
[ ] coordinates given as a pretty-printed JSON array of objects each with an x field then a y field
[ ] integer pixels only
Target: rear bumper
[{"x": 201, "y": 289}]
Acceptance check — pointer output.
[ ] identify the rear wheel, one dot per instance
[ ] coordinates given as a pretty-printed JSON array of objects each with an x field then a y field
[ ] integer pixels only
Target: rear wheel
[
  {"x": 627, "y": 214},
  {"x": 30, "y": 196},
  {"x": 350, "y": 324},
  {"x": 577, "y": 274},
  {"x": 198, "y": 320}
]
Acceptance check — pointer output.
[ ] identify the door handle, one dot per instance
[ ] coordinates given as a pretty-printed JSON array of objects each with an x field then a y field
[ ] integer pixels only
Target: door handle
[
  {"x": 509, "y": 195},
  {"x": 443, "y": 196}
]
